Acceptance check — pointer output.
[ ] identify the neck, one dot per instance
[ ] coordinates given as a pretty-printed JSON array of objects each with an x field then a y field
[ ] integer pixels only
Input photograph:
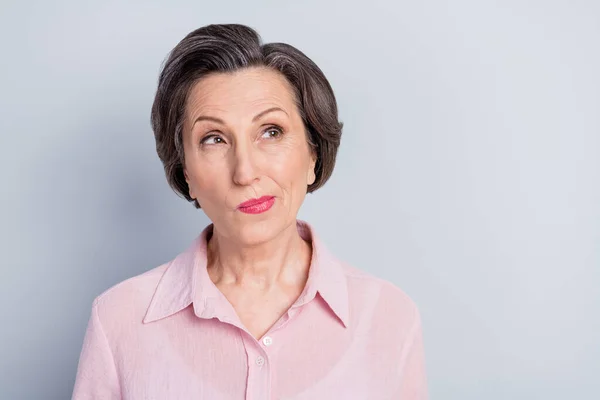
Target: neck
[{"x": 283, "y": 260}]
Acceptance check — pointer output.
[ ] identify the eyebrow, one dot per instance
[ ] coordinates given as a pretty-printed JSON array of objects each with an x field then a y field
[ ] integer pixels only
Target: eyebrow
[{"x": 256, "y": 117}]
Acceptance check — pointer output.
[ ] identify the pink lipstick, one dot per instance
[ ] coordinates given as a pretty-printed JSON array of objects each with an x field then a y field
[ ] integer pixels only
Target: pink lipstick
[{"x": 257, "y": 206}]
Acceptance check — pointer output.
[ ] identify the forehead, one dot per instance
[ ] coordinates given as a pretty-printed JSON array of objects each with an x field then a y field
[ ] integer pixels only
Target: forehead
[{"x": 240, "y": 91}]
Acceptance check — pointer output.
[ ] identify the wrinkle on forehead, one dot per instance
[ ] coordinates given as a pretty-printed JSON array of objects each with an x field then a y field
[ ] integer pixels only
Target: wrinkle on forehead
[{"x": 246, "y": 91}]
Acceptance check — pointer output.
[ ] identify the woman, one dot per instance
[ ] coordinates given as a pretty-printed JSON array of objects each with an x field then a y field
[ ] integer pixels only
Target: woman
[{"x": 256, "y": 307}]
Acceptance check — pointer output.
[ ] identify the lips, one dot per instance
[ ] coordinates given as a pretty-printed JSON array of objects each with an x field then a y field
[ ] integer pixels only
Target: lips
[{"x": 254, "y": 202}]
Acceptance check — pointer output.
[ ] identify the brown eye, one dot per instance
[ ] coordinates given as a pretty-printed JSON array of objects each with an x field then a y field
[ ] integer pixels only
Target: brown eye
[
  {"x": 212, "y": 139},
  {"x": 273, "y": 132}
]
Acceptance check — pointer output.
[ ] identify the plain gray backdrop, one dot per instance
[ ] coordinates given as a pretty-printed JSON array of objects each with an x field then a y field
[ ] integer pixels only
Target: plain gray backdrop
[{"x": 468, "y": 175}]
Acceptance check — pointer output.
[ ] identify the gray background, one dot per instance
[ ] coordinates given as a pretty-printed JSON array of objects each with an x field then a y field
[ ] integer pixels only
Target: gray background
[{"x": 468, "y": 175}]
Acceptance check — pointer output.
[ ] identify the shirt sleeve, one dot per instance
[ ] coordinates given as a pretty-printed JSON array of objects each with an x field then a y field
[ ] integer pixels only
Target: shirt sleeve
[
  {"x": 413, "y": 381},
  {"x": 96, "y": 373}
]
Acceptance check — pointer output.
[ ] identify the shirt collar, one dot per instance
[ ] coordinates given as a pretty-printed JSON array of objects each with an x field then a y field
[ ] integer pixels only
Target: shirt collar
[{"x": 186, "y": 281}]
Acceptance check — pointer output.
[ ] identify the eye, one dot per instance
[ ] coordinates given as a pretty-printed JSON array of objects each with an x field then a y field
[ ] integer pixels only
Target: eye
[
  {"x": 273, "y": 132},
  {"x": 212, "y": 139}
]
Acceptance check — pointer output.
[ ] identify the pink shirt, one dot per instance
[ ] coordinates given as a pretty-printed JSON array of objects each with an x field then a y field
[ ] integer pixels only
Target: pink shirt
[{"x": 170, "y": 334}]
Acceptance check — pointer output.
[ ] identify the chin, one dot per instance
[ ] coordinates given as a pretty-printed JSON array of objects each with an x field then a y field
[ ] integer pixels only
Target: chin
[{"x": 254, "y": 229}]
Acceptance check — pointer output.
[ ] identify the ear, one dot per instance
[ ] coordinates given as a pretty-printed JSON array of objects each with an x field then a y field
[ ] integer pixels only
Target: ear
[
  {"x": 311, "y": 176},
  {"x": 187, "y": 180}
]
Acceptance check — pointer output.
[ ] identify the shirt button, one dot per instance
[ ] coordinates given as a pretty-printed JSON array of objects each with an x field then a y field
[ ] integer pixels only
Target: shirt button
[
  {"x": 267, "y": 341},
  {"x": 260, "y": 360}
]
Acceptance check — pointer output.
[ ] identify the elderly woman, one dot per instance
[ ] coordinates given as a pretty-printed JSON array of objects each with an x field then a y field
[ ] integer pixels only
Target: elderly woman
[{"x": 256, "y": 307}]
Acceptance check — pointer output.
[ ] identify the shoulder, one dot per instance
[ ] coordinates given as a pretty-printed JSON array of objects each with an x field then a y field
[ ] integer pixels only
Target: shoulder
[
  {"x": 387, "y": 322},
  {"x": 129, "y": 299},
  {"x": 382, "y": 300}
]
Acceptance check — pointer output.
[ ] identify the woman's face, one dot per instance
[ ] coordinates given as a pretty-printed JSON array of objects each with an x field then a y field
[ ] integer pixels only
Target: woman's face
[{"x": 244, "y": 139}]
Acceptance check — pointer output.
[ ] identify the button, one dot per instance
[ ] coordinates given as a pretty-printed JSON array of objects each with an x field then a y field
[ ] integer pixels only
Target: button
[
  {"x": 267, "y": 341},
  {"x": 260, "y": 360}
]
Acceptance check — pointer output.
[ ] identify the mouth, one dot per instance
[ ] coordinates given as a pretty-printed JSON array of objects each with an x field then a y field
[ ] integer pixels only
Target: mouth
[{"x": 257, "y": 206}]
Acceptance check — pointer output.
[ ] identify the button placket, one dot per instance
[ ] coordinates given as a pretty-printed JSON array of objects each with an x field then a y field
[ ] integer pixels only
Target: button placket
[{"x": 259, "y": 370}]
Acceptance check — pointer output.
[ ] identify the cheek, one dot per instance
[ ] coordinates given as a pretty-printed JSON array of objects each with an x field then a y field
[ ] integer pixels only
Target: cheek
[
  {"x": 289, "y": 170},
  {"x": 206, "y": 178}
]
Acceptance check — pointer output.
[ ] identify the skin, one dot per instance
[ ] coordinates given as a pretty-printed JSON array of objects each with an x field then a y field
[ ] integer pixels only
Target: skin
[{"x": 258, "y": 261}]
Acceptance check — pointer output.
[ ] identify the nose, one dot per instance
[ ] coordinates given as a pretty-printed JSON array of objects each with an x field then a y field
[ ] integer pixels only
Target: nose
[{"x": 245, "y": 171}]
